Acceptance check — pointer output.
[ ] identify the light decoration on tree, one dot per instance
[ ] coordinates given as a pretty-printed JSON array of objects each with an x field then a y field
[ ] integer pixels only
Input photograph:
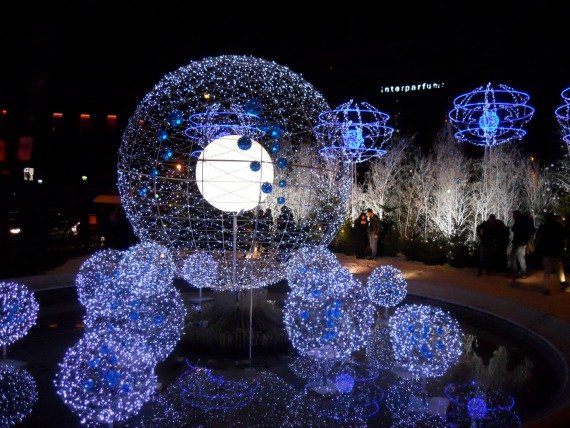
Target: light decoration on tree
[
  {"x": 151, "y": 324},
  {"x": 489, "y": 116},
  {"x": 563, "y": 116},
  {"x": 426, "y": 340},
  {"x": 476, "y": 402},
  {"x": 353, "y": 132},
  {"x": 321, "y": 321},
  {"x": 96, "y": 280},
  {"x": 18, "y": 394},
  {"x": 103, "y": 380},
  {"x": 201, "y": 388},
  {"x": 262, "y": 115},
  {"x": 146, "y": 269},
  {"x": 18, "y": 312},
  {"x": 309, "y": 259},
  {"x": 200, "y": 270},
  {"x": 386, "y": 286}
]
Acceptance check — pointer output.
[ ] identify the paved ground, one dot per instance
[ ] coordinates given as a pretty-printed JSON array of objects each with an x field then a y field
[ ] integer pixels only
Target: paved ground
[{"x": 521, "y": 302}]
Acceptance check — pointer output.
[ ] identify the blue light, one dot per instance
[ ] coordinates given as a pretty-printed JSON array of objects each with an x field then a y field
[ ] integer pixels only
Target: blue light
[
  {"x": 253, "y": 107},
  {"x": 353, "y": 138},
  {"x": 489, "y": 121},
  {"x": 304, "y": 315},
  {"x": 244, "y": 143},
  {"x": 175, "y": 118},
  {"x": 276, "y": 132},
  {"x": 255, "y": 166},
  {"x": 275, "y": 148},
  {"x": 266, "y": 187},
  {"x": 162, "y": 135},
  {"x": 281, "y": 200},
  {"x": 282, "y": 163},
  {"x": 477, "y": 408},
  {"x": 344, "y": 383},
  {"x": 158, "y": 319},
  {"x": 154, "y": 172},
  {"x": 134, "y": 316},
  {"x": 143, "y": 191},
  {"x": 89, "y": 384},
  {"x": 167, "y": 154},
  {"x": 283, "y": 183}
]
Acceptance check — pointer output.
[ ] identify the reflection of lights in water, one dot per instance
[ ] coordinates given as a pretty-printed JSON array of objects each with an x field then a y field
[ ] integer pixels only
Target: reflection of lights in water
[
  {"x": 103, "y": 380},
  {"x": 18, "y": 311},
  {"x": 18, "y": 394},
  {"x": 425, "y": 339}
]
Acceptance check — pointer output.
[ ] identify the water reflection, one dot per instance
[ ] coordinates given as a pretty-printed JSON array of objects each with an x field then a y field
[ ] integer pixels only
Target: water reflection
[{"x": 18, "y": 395}]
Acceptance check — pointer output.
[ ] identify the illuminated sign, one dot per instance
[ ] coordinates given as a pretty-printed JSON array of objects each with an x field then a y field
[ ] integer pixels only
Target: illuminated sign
[
  {"x": 411, "y": 88},
  {"x": 28, "y": 174}
]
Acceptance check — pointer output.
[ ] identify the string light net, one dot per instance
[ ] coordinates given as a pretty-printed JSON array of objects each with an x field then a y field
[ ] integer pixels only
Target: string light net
[
  {"x": 406, "y": 400},
  {"x": 425, "y": 339},
  {"x": 151, "y": 324},
  {"x": 18, "y": 311},
  {"x": 200, "y": 270},
  {"x": 563, "y": 116},
  {"x": 18, "y": 394},
  {"x": 96, "y": 280},
  {"x": 353, "y": 132},
  {"x": 489, "y": 116},
  {"x": 379, "y": 350},
  {"x": 103, "y": 380},
  {"x": 322, "y": 321},
  {"x": 184, "y": 145},
  {"x": 386, "y": 286}
]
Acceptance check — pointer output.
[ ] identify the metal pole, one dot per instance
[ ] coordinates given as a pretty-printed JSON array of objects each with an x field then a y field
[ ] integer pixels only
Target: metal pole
[
  {"x": 250, "y": 321},
  {"x": 4, "y": 352},
  {"x": 200, "y": 300},
  {"x": 234, "y": 255}
]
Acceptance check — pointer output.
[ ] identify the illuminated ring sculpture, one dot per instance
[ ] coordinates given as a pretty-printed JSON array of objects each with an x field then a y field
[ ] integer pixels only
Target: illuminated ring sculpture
[
  {"x": 19, "y": 394},
  {"x": 488, "y": 117},
  {"x": 478, "y": 399},
  {"x": 200, "y": 388},
  {"x": 425, "y": 339},
  {"x": 353, "y": 132},
  {"x": 18, "y": 311},
  {"x": 563, "y": 116},
  {"x": 169, "y": 138}
]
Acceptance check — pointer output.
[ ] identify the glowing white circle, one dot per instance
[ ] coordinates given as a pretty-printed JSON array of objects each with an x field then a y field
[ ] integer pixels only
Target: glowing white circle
[{"x": 225, "y": 177}]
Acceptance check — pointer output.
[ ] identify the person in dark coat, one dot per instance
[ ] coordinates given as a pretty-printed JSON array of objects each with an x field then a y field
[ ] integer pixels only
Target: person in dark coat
[
  {"x": 486, "y": 232},
  {"x": 550, "y": 244},
  {"x": 523, "y": 230},
  {"x": 361, "y": 236},
  {"x": 373, "y": 232}
]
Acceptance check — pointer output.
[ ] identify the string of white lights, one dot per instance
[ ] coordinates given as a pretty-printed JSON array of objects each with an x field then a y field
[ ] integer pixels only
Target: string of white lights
[
  {"x": 18, "y": 395},
  {"x": 18, "y": 311}
]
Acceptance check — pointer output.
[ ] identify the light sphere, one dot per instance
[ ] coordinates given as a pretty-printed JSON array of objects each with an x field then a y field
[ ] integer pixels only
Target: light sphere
[
  {"x": 386, "y": 286},
  {"x": 18, "y": 395},
  {"x": 18, "y": 311},
  {"x": 220, "y": 156},
  {"x": 426, "y": 340},
  {"x": 97, "y": 277},
  {"x": 225, "y": 177}
]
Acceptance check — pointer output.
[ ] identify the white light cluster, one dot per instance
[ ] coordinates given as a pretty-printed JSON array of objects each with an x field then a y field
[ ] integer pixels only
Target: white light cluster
[
  {"x": 386, "y": 286},
  {"x": 97, "y": 278},
  {"x": 172, "y": 129},
  {"x": 406, "y": 399},
  {"x": 307, "y": 259},
  {"x": 18, "y": 394},
  {"x": 18, "y": 311},
  {"x": 200, "y": 270},
  {"x": 426, "y": 340},
  {"x": 329, "y": 316},
  {"x": 102, "y": 380},
  {"x": 155, "y": 323}
]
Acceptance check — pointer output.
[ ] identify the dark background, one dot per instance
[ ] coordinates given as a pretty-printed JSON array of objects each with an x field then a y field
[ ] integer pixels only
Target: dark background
[{"x": 102, "y": 57}]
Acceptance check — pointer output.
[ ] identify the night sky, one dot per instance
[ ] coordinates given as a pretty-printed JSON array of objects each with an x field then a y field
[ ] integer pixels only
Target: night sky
[{"x": 105, "y": 56}]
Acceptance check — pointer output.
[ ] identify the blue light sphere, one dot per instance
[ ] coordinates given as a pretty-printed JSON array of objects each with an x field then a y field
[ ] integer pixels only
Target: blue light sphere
[
  {"x": 426, "y": 340},
  {"x": 18, "y": 393},
  {"x": 167, "y": 154},
  {"x": 96, "y": 280},
  {"x": 220, "y": 97},
  {"x": 275, "y": 148},
  {"x": 266, "y": 187},
  {"x": 386, "y": 286},
  {"x": 18, "y": 311},
  {"x": 282, "y": 183},
  {"x": 255, "y": 166},
  {"x": 489, "y": 121},
  {"x": 477, "y": 408},
  {"x": 244, "y": 143},
  {"x": 282, "y": 163},
  {"x": 308, "y": 261},
  {"x": 175, "y": 118},
  {"x": 162, "y": 135}
]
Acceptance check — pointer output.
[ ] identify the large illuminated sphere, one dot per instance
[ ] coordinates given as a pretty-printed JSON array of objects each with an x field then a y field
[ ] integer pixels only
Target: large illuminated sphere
[
  {"x": 310, "y": 259},
  {"x": 425, "y": 339},
  {"x": 328, "y": 322},
  {"x": 97, "y": 277},
  {"x": 151, "y": 324},
  {"x": 488, "y": 116},
  {"x": 213, "y": 144},
  {"x": 18, "y": 311},
  {"x": 18, "y": 394},
  {"x": 104, "y": 381},
  {"x": 386, "y": 286}
]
